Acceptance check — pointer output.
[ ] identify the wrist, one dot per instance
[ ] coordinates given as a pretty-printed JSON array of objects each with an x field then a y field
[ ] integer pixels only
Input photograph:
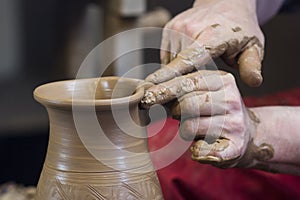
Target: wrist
[
  {"x": 257, "y": 153},
  {"x": 274, "y": 144}
]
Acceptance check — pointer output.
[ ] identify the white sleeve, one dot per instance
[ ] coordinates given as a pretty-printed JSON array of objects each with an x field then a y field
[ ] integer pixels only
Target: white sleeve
[{"x": 266, "y": 9}]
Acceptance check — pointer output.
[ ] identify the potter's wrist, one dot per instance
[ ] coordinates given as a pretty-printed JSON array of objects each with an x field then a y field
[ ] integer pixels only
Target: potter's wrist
[
  {"x": 249, "y": 156},
  {"x": 253, "y": 123},
  {"x": 258, "y": 152}
]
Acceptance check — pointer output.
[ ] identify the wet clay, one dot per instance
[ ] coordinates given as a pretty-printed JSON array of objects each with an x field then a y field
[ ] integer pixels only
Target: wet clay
[
  {"x": 236, "y": 29},
  {"x": 215, "y": 146},
  {"x": 252, "y": 116},
  {"x": 256, "y": 156},
  {"x": 264, "y": 151},
  {"x": 72, "y": 168},
  {"x": 179, "y": 86}
]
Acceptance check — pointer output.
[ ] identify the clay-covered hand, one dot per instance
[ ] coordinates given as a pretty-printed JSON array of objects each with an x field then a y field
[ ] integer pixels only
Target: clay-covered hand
[
  {"x": 216, "y": 28},
  {"x": 212, "y": 113}
]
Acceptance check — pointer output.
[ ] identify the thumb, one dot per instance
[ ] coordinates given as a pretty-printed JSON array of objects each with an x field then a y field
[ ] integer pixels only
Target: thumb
[{"x": 250, "y": 66}]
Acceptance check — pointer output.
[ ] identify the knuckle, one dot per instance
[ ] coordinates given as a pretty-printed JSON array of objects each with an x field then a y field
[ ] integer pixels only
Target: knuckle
[
  {"x": 177, "y": 25},
  {"x": 168, "y": 25},
  {"x": 191, "y": 29},
  {"x": 184, "y": 107},
  {"x": 228, "y": 77}
]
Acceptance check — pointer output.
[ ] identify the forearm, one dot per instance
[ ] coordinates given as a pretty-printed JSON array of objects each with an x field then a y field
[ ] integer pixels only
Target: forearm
[{"x": 277, "y": 136}]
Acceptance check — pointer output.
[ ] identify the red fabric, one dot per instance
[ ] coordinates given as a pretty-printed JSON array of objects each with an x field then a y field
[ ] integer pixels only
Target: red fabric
[{"x": 186, "y": 179}]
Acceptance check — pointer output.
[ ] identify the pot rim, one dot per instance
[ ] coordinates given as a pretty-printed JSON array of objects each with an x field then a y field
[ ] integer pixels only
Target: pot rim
[{"x": 40, "y": 94}]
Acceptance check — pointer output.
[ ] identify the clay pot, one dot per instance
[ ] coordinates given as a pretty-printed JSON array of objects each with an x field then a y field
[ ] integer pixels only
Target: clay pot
[{"x": 97, "y": 147}]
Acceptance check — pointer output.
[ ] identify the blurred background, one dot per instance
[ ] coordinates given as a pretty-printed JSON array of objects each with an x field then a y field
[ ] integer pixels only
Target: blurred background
[{"x": 43, "y": 41}]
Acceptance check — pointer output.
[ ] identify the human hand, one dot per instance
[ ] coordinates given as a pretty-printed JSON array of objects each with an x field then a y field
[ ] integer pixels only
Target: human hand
[
  {"x": 215, "y": 28},
  {"x": 212, "y": 113}
]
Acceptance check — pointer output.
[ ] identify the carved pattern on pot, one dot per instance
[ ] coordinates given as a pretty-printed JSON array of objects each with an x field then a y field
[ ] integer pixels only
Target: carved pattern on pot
[{"x": 146, "y": 189}]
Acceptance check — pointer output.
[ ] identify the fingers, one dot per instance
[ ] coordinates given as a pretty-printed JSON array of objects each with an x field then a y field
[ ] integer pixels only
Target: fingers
[
  {"x": 218, "y": 138},
  {"x": 212, "y": 42},
  {"x": 250, "y": 66},
  {"x": 203, "y": 80},
  {"x": 213, "y": 127},
  {"x": 201, "y": 103},
  {"x": 208, "y": 128},
  {"x": 184, "y": 63},
  {"x": 209, "y": 152},
  {"x": 222, "y": 152},
  {"x": 206, "y": 45}
]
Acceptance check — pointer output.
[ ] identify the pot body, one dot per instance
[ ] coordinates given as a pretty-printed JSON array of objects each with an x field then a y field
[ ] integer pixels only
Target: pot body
[{"x": 97, "y": 146}]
